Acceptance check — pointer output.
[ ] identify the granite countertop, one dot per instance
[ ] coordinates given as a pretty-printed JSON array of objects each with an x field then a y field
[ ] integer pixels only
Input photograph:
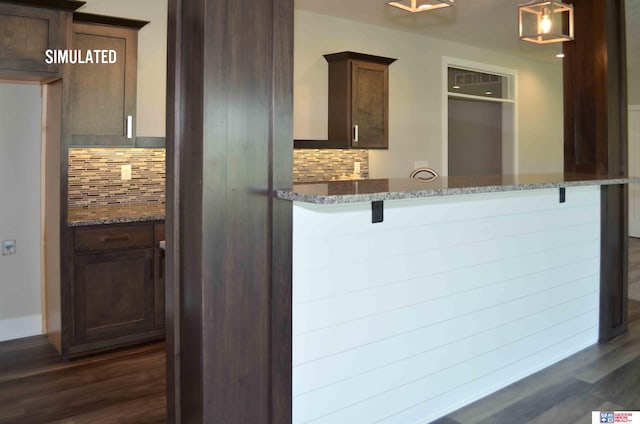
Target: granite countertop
[
  {"x": 333, "y": 192},
  {"x": 115, "y": 214}
]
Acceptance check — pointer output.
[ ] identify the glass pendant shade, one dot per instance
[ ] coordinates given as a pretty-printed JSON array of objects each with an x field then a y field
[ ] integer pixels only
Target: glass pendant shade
[
  {"x": 416, "y": 6},
  {"x": 546, "y": 21}
]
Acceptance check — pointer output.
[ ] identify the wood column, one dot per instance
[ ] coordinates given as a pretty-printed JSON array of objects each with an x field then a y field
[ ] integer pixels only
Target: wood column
[
  {"x": 595, "y": 104},
  {"x": 229, "y": 145}
]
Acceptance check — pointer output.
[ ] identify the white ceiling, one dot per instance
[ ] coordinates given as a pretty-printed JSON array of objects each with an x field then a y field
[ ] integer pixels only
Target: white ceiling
[{"x": 491, "y": 24}]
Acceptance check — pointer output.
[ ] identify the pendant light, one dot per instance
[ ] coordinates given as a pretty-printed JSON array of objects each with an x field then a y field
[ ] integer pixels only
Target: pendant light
[
  {"x": 416, "y": 6},
  {"x": 546, "y": 21}
]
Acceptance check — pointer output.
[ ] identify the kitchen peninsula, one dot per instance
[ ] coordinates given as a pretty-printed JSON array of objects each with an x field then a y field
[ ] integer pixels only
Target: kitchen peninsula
[{"x": 463, "y": 286}]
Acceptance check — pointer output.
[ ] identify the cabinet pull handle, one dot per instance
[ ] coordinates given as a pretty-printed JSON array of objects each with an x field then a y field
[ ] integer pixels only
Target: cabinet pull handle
[
  {"x": 355, "y": 133},
  {"x": 107, "y": 239},
  {"x": 129, "y": 126}
]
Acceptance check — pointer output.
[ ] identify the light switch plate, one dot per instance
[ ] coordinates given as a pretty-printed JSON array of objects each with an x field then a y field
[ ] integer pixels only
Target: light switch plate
[
  {"x": 8, "y": 247},
  {"x": 125, "y": 172}
]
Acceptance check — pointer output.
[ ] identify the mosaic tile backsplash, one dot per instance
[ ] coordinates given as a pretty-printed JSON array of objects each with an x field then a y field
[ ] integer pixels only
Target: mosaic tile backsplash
[
  {"x": 94, "y": 176},
  {"x": 327, "y": 164}
]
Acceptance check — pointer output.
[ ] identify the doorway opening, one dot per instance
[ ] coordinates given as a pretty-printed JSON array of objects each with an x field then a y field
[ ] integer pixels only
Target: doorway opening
[{"x": 479, "y": 119}]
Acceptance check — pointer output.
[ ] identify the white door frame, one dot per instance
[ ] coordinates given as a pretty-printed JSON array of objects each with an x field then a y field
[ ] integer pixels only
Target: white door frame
[{"x": 510, "y": 132}]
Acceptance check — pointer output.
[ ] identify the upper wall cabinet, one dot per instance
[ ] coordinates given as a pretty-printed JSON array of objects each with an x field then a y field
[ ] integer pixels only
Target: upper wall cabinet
[
  {"x": 358, "y": 103},
  {"x": 27, "y": 31},
  {"x": 103, "y": 95}
]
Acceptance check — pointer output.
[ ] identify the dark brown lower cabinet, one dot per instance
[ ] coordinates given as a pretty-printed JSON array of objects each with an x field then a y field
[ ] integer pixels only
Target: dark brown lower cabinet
[
  {"x": 113, "y": 294},
  {"x": 117, "y": 287}
]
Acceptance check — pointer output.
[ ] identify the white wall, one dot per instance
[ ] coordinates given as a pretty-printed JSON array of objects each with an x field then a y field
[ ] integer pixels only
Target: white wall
[
  {"x": 415, "y": 93},
  {"x": 20, "y": 150},
  {"x": 633, "y": 51},
  {"x": 446, "y": 301},
  {"x": 152, "y": 57}
]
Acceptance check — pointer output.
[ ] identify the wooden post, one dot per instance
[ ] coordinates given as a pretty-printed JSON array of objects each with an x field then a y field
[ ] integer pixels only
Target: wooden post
[
  {"x": 229, "y": 145},
  {"x": 596, "y": 138}
]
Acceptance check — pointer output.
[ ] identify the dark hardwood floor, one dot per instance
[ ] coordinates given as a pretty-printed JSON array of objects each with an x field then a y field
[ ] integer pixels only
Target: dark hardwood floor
[
  {"x": 128, "y": 386},
  {"x": 36, "y": 386}
]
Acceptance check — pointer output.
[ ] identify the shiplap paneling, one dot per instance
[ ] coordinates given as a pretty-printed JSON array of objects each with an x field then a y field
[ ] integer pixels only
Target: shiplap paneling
[
  {"x": 444, "y": 302},
  {"x": 634, "y": 170}
]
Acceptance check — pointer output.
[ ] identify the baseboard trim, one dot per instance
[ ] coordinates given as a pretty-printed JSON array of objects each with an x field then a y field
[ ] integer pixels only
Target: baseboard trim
[{"x": 16, "y": 328}]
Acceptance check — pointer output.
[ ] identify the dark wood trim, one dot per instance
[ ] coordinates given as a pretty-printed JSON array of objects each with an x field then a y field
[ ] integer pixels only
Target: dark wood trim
[
  {"x": 614, "y": 262},
  {"x": 173, "y": 200},
  {"x": 82, "y": 350},
  {"x": 101, "y": 141},
  {"x": 281, "y": 215},
  {"x": 317, "y": 144},
  {"x": 151, "y": 142},
  {"x": 229, "y": 250},
  {"x": 90, "y": 18},
  {"x": 49, "y": 4},
  {"x": 333, "y": 57},
  {"x": 66, "y": 233},
  {"x": 595, "y": 106}
]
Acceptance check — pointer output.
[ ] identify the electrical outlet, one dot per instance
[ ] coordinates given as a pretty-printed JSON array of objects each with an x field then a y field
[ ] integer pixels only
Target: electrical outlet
[
  {"x": 8, "y": 247},
  {"x": 125, "y": 172},
  {"x": 356, "y": 167}
]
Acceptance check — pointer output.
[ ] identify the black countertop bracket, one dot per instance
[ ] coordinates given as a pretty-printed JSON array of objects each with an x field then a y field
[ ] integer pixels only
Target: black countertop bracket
[{"x": 377, "y": 211}]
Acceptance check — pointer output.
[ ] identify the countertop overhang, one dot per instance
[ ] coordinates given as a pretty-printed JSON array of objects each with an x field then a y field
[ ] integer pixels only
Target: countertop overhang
[
  {"x": 336, "y": 192},
  {"x": 115, "y": 214}
]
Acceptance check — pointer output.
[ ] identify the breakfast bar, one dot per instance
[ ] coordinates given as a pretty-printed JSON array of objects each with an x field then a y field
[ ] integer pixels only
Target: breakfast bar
[{"x": 412, "y": 298}]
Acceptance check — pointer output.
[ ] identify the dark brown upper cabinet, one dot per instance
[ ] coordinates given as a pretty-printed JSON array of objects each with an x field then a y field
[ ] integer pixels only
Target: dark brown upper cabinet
[
  {"x": 358, "y": 114},
  {"x": 27, "y": 30},
  {"x": 103, "y": 95}
]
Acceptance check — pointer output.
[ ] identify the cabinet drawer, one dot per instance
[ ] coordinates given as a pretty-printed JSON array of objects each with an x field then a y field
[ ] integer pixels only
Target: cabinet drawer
[{"x": 117, "y": 237}]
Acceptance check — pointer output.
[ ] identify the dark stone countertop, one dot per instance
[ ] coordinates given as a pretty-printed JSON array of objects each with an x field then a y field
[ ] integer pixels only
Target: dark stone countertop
[
  {"x": 115, "y": 214},
  {"x": 335, "y": 192}
]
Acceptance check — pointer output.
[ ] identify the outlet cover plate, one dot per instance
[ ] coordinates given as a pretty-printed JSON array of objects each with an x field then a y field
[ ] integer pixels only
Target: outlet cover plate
[
  {"x": 125, "y": 172},
  {"x": 8, "y": 247}
]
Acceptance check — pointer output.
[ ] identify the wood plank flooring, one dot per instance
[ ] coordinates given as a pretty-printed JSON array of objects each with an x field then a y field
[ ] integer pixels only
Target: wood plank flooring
[
  {"x": 128, "y": 386},
  {"x": 36, "y": 386}
]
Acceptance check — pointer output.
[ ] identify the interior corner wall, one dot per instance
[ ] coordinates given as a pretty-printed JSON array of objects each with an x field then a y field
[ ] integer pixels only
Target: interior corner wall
[
  {"x": 20, "y": 152},
  {"x": 415, "y": 93},
  {"x": 152, "y": 58}
]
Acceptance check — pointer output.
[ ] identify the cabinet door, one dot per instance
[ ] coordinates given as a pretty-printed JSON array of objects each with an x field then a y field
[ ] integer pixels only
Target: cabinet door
[
  {"x": 369, "y": 105},
  {"x": 103, "y": 96},
  {"x": 25, "y": 34},
  {"x": 113, "y": 294}
]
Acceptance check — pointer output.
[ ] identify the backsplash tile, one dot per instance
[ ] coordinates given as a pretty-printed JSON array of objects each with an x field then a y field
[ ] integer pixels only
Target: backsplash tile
[
  {"x": 327, "y": 164},
  {"x": 94, "y": 176}
]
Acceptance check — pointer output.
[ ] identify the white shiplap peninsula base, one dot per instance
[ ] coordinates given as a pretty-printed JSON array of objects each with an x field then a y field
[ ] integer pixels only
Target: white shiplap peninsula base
[{"x": 445, "y": 301}]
